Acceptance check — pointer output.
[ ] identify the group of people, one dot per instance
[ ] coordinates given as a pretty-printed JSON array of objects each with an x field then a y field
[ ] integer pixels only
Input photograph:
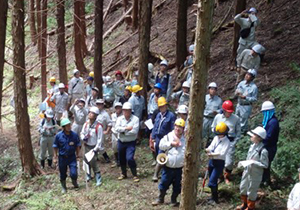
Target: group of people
[{"x": 91, "y": 124}]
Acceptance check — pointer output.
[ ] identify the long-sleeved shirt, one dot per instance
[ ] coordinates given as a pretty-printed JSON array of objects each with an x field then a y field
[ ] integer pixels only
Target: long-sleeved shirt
[
  {"x": 66, "y": 144},
  {"x": 54, "y": 89},
  {"x": 114, "y": 118},
  {"x": 90, "y": 101},
  {"x": 61, "y": 101},
  {"x": 219, "y": 146},
  {"x": 271, "y": 140},
  {"x": 246, "y": 23},
  {"x": 294, "y": 198},
  {"x": 166, "y": 83},
  {"x": 233, "y": 123},
  {"x": 247, "y": 61},
  {"x": 175, "y": 154},
  {"x": 119, "y": 87},
  {"x": 79, "y": 114},
  {"x": 88, "y": 89},
  {"x": 163, "y": 124},
  {"x": 183, "y": 98},
  {"x": 152, "y": 104},
  {"x": 93, "y": 135},
  {"x": 47, "y": 128},
  {"x": 79, "y": 88},
  {"x": 212, "y": 104},
  {"x": 123, "y": 134},
  {"x": 108, "y": 92},
  {"x": 249, "y": 90},
  {"x": 104, "y": 119},
  {"x": 138, "y": 105}
]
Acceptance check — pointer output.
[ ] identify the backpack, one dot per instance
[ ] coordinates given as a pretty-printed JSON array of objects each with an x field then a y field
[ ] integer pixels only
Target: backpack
[
  {"x": 44, "y": 120},
  {"x": 96, "y": 128},
  {"x": 244, "y": 33}
]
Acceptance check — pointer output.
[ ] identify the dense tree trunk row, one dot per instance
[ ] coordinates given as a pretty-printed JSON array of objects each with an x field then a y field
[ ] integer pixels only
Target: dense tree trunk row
[{"x": 44, "y": 50}]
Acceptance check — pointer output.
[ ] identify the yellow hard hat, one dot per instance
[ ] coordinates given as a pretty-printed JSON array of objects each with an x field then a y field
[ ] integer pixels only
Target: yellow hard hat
[
  {"x": 136, "y": 88},
  {"x": 161, "y": 101},
  {"x": 180, "y": 122},
  {"x": 221, "y": 129},
  {"x": 128, "y": 88},
  {"x": 52, "y": 79},
  {"x": 91, "y": 74}
]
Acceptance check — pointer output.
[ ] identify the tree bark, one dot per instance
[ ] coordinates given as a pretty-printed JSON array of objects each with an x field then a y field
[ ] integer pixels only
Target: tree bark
[
  {"x": 29, "y": 164},
  {"x": 198, "y": 91},
  {"x": 77, "y": 38},
  {"x": 84, "y": 49},
  {"x": 135, "y": 12},
  {"x": 3, "y": 22},
  {"x": 98, "y": 45},
  {"x": 240, "y": 5},
  {"x": 39, "y": 26},
  {"x": 32, "y": 22},
  {"x": 125, "y": 4},
  {"x": 61, "y": 43},
  {"x": 145, "y": 11},
  {"x": 181, "y": 49},
  {"x": 44, "y": 50}
]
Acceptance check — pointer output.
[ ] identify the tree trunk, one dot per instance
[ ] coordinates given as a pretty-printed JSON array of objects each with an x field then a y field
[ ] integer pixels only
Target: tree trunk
[
  {"x": 3, "y": 22},
  {"x": 125, "y": 4},
  {"x": 77, "y": 38},
  {"x": 98, "y": 45},
  {"x": 198, "y": 91},
  {"x": 240, "y": 5},
  {"x": 44, "y": 50},
  {"x": 84, "y": 49},
  {"x": 135, "y": 12},
  {"x": 32, "y": 22},
  {"x": 61, "y": 43},
  {"x": 145, "y": 12},
  {"x": 39, "y": 26},
  {"x": 29, "y": 164},
  {"x": 181, "y": 49}
]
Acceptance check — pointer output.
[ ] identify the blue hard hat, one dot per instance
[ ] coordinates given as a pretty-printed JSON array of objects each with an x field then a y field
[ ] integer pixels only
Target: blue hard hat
[
  {"x": 90, "y": 78},
  {"x": 158, "y": 85}
]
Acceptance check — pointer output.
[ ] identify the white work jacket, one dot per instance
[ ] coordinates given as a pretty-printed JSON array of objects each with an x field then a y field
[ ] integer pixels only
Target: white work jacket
[
  {"x": 94, "y": 133},
  {"x": 294, "y": 198},
  {"x": 219, "y": 146},
  {"x": 122, "y": 123}
]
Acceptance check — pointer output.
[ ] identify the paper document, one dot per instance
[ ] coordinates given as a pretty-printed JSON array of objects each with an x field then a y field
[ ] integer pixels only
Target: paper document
[
  {"x": 86, "y": 167},
  {"x": 89, "y": 156},
  {"x": 246, "y": 163},
  {"x": 149, "y": 124}
]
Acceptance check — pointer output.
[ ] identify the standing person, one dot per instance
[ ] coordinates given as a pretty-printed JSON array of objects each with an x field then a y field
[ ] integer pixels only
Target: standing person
[
  {"x": 251, "y": 21},
  {"x": 127, "y": 127},
  {"x": 152, "y": 103},
  {"x": 105, "y": 120},
  {"x": 66, "y": 148},
  {"x": 271, "y": 124},
  {"x": 216, "y": 152},
  {"x": 151, "y": 79},
  {"x": 76, "y": 86},
  {"x": 189, "y": 62},
  {"x": 247, "y": 94},
  {"x": 89, "y": 86},
  {"x": 91, "y": 100},
  {"x": 92, "y": 136},
  {"x": 80, "y": 113},
  {"x": 138, "y": 102},
  {"x": 234, "y": 134},
  {"x": 182, "y": 96},
  {"x": 213, "y": 106},
  {"x": 47, "y": 130},
  {"x": 119, "y": 85},
  {"x": 54, "y": 87},
  {"x": 182, "y": 112},
  {"x": 174, "y": 145},
  {"x": 294, "y": 197},
  {"x": 61, "y": 102},
  {"x": 164, "y": 124},
  {"x": 108, "y": 91},
  {"x": 253, "y": 173},
  {"x": 114, "y": 135},
  {"x": 165, "y": 79},
  {"x": 127, "y": 95}
]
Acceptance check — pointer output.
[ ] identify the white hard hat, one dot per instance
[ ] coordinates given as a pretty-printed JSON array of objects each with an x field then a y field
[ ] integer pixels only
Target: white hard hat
[
  {"x": 191, "y": 48},
  {"x": 150, "y": 67},
  {"x": 49, "y": 113},
  {"x": 186, "y": 84},
  {"x": 100, "y": 101},
  {"x": 258, "y": 48},
  {"x": 253, "y": 72},
  {"x": 108, "y": 79},
  {"x": 75, "y": 71},
  {"x": 94, "y": 109},
  {"x": 164, "y": 62},
  {"x": 82, "y": 100},
  {"x": 212, "y": 85},
  {"x": 260, "y": 131},
  {"x": 118, "y": 104},
  {"x": 267, "y": 105},
  {"x": 252, "y": 9},
  {"x": 127, "y": 105},
  {"x": 61, "y": 85},
  {"x": 182, "y": 109}
]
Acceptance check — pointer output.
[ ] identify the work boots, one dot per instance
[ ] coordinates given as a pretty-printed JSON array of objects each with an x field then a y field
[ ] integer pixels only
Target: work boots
[
  {"x": 244, "y": 203},
  {"x": 160, "y": 199},
  {"x": 107, "y": 160},
  {"x": 43, "y": 163},
  {"x": 174, "y": 202},
  {"x": 88, "y": 177},
  {"x": 63, "y": 186},
  {"x": 157, "y": 169},
  {"x": 49, "y": 163},
  {"x": 75, "y": 184},
  {"x": 124, "y": 172},
  {"x": 134, "y": 174},
  {"x": 98, "y": 179},
  {"x": 251, "y": 205},
  {"x": 214, "y": 196}
]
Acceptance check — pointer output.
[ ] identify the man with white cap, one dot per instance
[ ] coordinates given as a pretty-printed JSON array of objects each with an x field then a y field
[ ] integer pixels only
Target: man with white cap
[
  {"x": 127, "y": 127},
  {"x": 76, "y": 86},
  {"x": 294, "y": 196},
  {"x": 246, "y": 92},
  {"x": 92, "y": 136},
  {"x": 108, "y": 91},
  {"x": 189, "y": 62},
  {"x": 249, "y": 59},
  {"x": 61, "y": 102},
  {"x": 114, "y": 135},
  {"x": 182, "y": 96},
  {"x": 213, "y": 106},
  {"x": 137, "y": 101},
  {"x": 258, "y": 158},
  {"x": 182, "y": 112},
  {"x": 248, "y": 25},
  {"x": 91, "y": 100},
  {"x": 80, "y": 113},
  {"x": 151, "y": 79},
  {"x": 48, "y": 130},
  {"x": 165, "y": 79}
]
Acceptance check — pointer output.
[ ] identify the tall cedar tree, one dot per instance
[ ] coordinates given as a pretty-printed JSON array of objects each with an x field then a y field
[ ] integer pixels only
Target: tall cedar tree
[
  {"x": 98, "y": 45},
  {"x": 32, "y": 22},
  {"x": 3, "y": 21},
  {"x": 29, "y": 164},
  {"x": 196, "y": 107},
  {"x": 135, "y": 12},
  {"x": 39, "y": 26},
  {"x": 44, "y": 50},
  {"x": 61, "y": 43}
]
